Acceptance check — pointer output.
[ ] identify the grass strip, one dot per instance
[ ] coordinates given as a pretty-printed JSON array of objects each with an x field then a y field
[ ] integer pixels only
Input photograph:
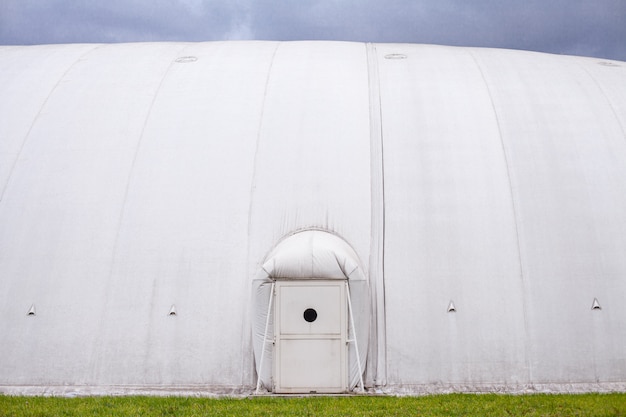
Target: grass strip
[{"x": 437, "y": 405}]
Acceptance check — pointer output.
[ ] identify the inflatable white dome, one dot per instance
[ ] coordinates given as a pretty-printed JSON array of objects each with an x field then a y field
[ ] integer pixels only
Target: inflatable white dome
[{"x": 238, "y": 217}]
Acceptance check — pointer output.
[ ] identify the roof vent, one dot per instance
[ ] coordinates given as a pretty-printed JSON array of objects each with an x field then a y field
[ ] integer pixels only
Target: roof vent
[
  {"x": 596, "y": 305},
  {"x": 451, "y": 307},
  {"x": 31, "y": 311},
  {"x": 395, "y": 56},
  {"x": 608, "y": 64},
  {"x": 172, "y": 310},
  {"x": 185, "y": 59}
]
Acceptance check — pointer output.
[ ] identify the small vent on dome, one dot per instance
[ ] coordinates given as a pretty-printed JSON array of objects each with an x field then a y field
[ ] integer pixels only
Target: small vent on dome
[
  {"x": 451, "y": 307},
  {"x": 31, "y": 311},
  {"x": 608, "y": 64},
  {"x": 395, "y": 56},
  {"x": 186, "y": 59},
  {"x": 172, "y": 310},
  {"x": 596, "y": 305}
]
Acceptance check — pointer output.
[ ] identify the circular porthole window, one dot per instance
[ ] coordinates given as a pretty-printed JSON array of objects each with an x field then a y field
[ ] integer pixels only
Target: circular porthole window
[{"x": 310, "y": 315}]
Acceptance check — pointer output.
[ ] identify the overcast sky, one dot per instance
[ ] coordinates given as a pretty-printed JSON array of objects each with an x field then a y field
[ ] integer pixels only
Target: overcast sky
[{"x": 576, "y": 27}]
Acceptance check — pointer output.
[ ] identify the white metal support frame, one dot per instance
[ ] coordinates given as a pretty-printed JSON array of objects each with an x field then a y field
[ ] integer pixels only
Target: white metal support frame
[
  {"x": 267, "y": 325},
  {"x": 354, "y": 340}
]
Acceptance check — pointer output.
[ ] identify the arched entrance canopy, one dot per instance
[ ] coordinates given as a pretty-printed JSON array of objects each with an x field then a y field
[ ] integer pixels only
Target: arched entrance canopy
[{"x": 311, "y": 254}]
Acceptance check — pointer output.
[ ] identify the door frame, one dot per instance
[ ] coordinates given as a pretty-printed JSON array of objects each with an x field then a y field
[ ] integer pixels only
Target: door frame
[{"x": 342, "y": 336}]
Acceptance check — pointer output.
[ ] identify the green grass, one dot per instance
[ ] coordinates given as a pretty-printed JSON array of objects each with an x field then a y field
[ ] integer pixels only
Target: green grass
[{"x": 436, "y": 405}]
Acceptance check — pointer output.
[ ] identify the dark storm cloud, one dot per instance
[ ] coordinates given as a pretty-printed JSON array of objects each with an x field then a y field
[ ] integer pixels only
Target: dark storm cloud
[{"x": 580, "y": 27}]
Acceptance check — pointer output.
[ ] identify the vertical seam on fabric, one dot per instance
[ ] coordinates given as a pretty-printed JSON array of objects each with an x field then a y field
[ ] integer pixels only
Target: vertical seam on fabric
[
  {"x": 36, "y": 118},
  {"x": 515, "y": 218},
  {"x": 377, "y": 201},
  {"x": 245, "y": 323}
]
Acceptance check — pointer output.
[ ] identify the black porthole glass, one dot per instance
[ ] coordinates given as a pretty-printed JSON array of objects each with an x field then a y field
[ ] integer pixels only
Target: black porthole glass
[{"x": 310, "y": 315}]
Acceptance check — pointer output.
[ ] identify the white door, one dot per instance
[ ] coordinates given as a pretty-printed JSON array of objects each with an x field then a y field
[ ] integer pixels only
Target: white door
[{"x": 310, "y": 326}]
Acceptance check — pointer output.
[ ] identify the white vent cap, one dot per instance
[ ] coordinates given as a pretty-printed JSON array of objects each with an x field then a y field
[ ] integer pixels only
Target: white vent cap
[
  {"x": 172, "y": 310},
  {"x": 595, "y": 305}
]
